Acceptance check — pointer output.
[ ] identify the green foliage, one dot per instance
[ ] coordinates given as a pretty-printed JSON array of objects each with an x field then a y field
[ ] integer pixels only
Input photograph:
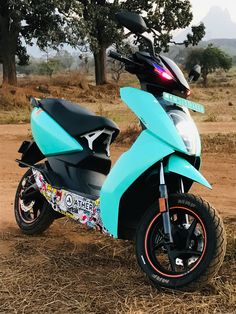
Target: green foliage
[
  {"x": 49, "y": 67},
  {"x": 27, "y": 20},
  {"x": 97, "y": 26},
  {"x": 210, "y": 59},
  {"x": 62, "y": 61},
  {"x": 91, "y": 22},
  {"x": 21, "y": 53},
  {"x": 165, "y": 16}
]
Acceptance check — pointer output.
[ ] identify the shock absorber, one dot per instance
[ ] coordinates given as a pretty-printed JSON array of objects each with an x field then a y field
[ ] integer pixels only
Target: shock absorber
[{"x": 164, "y": 206}]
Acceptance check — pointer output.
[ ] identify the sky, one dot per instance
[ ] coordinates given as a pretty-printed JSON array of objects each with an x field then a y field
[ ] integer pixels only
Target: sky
[{"x": 201, "y": 7}]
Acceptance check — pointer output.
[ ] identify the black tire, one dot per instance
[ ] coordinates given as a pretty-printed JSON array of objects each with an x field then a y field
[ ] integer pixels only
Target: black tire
[
  {"x": 197, "y": 253},
  {"x": 44, "y": 214}
]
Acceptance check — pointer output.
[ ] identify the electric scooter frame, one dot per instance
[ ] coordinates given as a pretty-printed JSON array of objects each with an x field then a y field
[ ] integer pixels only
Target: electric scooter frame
[{"x": 158, "y": 141}]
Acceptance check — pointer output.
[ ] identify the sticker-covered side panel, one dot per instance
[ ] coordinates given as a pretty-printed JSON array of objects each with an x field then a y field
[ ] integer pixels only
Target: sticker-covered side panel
[{"x": 75, "y": 206}]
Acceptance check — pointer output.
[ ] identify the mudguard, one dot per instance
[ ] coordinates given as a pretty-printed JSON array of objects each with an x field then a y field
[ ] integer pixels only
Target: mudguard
[
  {"x": 31, "y": 153},
  {"x": 182, "y": 167},
  {"x": 145, "y": 152}
]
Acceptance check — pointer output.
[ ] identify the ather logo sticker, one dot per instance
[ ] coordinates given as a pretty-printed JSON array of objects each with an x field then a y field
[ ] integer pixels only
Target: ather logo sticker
[
  {"x": 77, "y": 202},
  {"x": 69, "y": 200}
]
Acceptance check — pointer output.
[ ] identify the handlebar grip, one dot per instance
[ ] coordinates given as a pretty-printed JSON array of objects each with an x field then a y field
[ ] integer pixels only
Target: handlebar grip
[
  {"x": 119, "y": 57},
  {"x": 115, "y": 55}
]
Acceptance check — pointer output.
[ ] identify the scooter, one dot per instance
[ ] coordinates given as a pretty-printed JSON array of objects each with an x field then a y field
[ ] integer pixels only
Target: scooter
[{"x": 179, "y": 238}]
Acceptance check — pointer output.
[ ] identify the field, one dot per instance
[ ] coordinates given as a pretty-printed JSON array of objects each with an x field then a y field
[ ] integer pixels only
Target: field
[{"x": 70, "y": 269}]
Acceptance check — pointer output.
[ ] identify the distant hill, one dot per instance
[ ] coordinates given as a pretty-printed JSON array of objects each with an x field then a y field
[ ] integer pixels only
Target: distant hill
[
  {"x": 218, "y": 24},
  {"x": 220, "y": 31},
  {"x": 179, "y": 53},
  {"x": 228, "y": 45}
]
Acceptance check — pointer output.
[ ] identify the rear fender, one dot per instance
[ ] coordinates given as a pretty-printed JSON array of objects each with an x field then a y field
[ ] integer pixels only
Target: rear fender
[
  {"x": 181, "y": 166},
  {"x": 31, "y": 154}
]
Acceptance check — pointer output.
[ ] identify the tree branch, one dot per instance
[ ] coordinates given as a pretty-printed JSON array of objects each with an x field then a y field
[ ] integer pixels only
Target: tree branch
[{"x": 175, "y": 43}]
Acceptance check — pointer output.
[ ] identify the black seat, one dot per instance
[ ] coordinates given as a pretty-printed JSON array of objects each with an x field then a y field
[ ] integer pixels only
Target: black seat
[{"x": 75, "y": 119}]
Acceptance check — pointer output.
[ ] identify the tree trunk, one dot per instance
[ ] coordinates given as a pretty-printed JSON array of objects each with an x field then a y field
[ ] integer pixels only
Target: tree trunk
[
  {"x": 205, "y": 76},
  {"x": 205, "y": 81},
  {"x": 8, "y": 44},
  {"x": 9, "y": 69},
  {"x": 100, "y": 66}
]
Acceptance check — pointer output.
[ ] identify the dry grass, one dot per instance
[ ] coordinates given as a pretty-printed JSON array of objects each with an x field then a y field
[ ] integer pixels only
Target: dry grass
[
  {"x": 14, "y": 101},
  {"x": 216, "y": 143},
  {"x": 211, "y": 143},
  {"x": 70, "y": 270},
  {"x": 220, "y": 101}
]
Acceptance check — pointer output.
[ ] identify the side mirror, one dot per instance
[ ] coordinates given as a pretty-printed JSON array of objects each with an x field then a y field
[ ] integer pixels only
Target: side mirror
[
  {"x": 133, "y": 21},
  {"x": 195, "y": 73}
]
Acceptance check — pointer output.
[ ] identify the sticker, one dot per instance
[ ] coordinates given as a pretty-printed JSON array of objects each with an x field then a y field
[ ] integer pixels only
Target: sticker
[
  {"x": 38, "y": 111},
  {"x": 75, "y": 206},
  {"x": 143, "y": 260},
  {"x": 186, "y": 202},
  {"x": 158, "y": 278},
  {"x": 69, "y": 200},
  {"x": 183, "y": 102}
]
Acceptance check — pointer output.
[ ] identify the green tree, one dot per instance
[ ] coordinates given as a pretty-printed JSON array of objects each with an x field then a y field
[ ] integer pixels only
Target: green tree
[
  {"x": 210, "y": 59},
  {"x": 49, "y": 67},
  {"x": 27, "y": 20},
  {"x": 96, "y": 25},
  {"x": 53, "y": 22}
]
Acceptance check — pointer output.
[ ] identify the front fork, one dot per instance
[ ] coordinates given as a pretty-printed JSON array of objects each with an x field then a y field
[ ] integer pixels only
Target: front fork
[{"x": 164, "y": 206}]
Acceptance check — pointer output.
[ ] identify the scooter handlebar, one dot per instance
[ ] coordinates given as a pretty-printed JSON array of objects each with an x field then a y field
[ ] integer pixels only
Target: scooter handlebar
[{"x": 115, "y": 55}]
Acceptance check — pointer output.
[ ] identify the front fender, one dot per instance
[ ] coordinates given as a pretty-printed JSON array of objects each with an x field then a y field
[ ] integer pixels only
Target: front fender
[
  {"x": 145, "y": 152},
  {"x": 182, "y": 167}
]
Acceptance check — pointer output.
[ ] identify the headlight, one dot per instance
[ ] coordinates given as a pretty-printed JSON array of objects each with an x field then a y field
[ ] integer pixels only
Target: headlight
[{"x": 187, "y": 130}]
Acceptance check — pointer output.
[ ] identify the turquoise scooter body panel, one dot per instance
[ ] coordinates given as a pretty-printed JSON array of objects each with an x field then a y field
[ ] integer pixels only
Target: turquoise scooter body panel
[
  {"x": 158, "y": 141},
  {"x": 182, "y": 167},
  {"x": 153, "y": 116},
  {"x": 145, "y": 152},
  {"x": 50, "y": 137}
]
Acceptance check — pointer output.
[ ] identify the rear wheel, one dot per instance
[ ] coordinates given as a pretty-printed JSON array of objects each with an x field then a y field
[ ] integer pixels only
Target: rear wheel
[
  {"x": 35, "y": 215},
  {"x": 198, "y": 247}
]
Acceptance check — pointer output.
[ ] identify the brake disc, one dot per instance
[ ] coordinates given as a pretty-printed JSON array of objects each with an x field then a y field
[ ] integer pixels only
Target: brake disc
[{"x": 28, "y": 207}]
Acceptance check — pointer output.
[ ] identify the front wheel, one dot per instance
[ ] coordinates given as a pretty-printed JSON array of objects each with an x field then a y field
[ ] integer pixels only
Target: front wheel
[{"x": 198, "y": 247}]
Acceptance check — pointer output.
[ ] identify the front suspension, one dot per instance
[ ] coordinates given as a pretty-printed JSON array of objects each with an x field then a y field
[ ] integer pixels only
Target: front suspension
[{"x": 164, "y": 207}]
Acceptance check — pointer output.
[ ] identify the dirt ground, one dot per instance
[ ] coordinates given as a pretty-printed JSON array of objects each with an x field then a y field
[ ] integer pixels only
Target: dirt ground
[{"x": 66, "y": 248}]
